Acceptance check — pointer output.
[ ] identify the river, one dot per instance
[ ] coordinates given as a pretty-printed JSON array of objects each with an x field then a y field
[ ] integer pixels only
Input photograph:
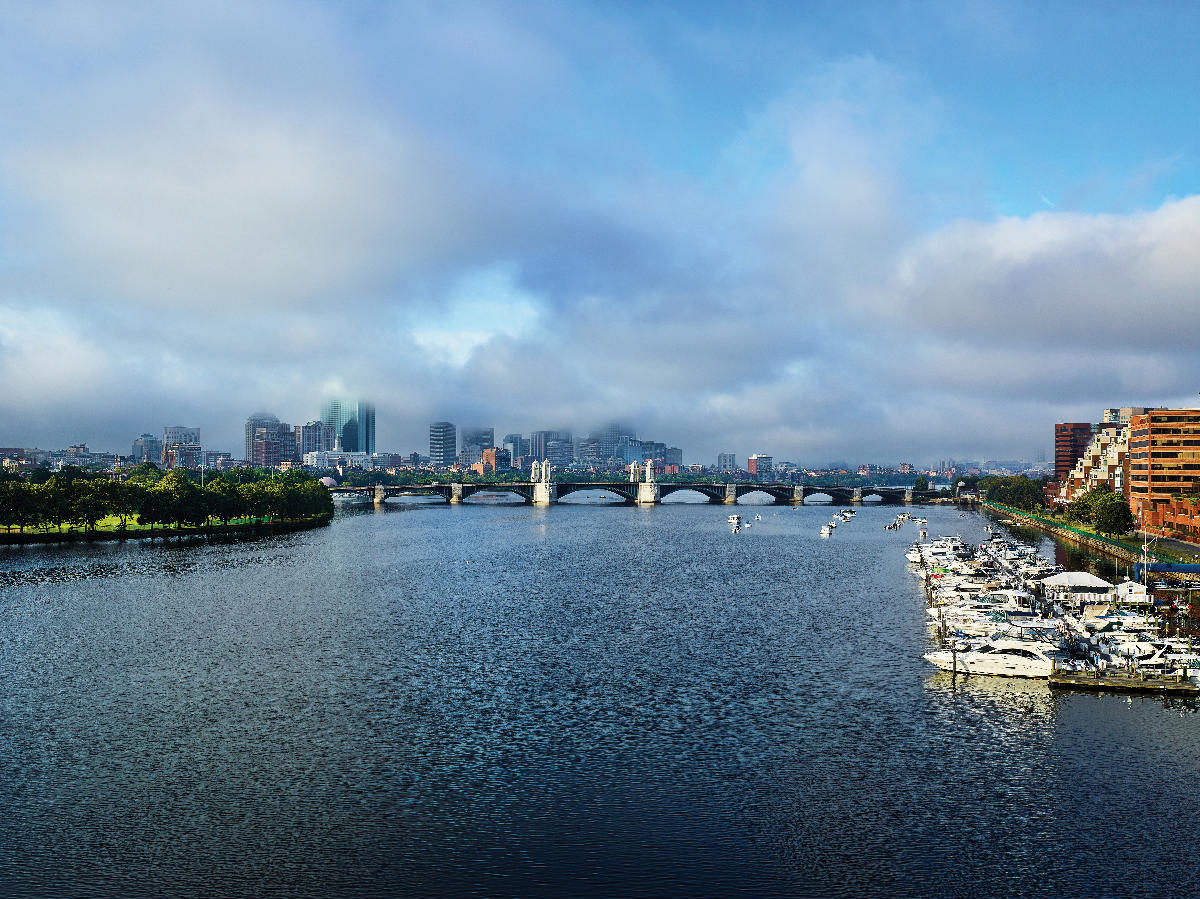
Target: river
[{"x": 585, "y": 700}]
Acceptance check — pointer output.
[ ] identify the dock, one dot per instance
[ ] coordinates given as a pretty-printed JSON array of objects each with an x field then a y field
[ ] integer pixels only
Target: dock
[{"x": 1123, "y": 682}]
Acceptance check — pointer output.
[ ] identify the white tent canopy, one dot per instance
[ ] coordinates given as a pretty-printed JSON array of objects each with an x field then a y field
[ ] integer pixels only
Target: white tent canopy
[{"x": 1076, "y": 581}]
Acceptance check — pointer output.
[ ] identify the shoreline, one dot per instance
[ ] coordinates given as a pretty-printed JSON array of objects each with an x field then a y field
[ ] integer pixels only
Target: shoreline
[
  {"x": 232, "y": 531},
  {"x": 1089, "y": 542}
]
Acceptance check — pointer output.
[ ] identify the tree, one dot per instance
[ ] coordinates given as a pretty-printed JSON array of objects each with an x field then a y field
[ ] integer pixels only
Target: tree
[
  {"x": 186, "y": 501},
  {"x": 89, "y": 503},
  {"x": 54, "y": 503},
  {"x": 1113, "y": 516},
  {"x": 921, "y": 482},
  {"x": 18, "y": 505}
]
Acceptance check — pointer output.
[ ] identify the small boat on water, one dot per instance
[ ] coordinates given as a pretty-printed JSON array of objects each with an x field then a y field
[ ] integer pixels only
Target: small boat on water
[{"x": 826, "y": 530}]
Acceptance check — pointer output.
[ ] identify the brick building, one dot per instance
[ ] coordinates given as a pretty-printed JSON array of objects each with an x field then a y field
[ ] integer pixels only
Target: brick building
[{"x": 1164, "y": 471}]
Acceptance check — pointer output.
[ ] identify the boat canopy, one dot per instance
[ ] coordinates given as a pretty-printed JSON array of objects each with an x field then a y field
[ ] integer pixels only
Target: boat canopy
[{"x": 1077, "y": 581}]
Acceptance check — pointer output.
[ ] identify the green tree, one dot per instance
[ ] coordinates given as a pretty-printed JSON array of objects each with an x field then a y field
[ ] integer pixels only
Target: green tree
[
  {"x": 18, "y": 505},
  {"x": 186, "y": 501},
  {"x": 146, "y": 474},
  {"x": 1113, "y": 516},
  {"x": 89, "y": 503},
  {"x": 154, "y": 508},
  {"x": 921, "y": 482},
  {"x": 54, "y": 503}
]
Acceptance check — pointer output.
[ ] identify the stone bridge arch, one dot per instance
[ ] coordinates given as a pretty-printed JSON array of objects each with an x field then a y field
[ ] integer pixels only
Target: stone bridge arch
[
  {"x": 625, "y": 492},
  {"x": 713, "y": 493}
]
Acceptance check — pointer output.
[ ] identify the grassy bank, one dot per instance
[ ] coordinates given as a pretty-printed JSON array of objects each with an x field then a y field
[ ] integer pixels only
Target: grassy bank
[
  {"x": 112, "y": 530},
  {"x": 1121, "y": 547}
]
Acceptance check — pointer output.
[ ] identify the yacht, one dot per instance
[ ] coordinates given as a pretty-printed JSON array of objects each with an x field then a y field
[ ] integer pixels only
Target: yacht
[
  {"x": 826, "y": 530},
  {"x": 1003, "y": 657}
]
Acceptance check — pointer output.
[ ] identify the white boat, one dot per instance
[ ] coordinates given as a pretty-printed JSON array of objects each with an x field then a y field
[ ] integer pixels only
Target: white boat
[
  {"x": 735, "y": 519},
  {"x": 826, "y": 530},
  {"x": 1002, "y": 658}
]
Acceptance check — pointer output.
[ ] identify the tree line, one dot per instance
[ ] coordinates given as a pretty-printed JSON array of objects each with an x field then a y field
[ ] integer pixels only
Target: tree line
[
  {"x": 1102, "y": 507},
  {"x": 150, "y": 497}
]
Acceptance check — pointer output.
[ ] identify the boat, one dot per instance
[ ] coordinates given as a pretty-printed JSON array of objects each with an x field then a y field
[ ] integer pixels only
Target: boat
[
  {"x": 1003, "y": 657},
  {"x": 826, "y": 530},
  {"x": 735, "y": 519}
]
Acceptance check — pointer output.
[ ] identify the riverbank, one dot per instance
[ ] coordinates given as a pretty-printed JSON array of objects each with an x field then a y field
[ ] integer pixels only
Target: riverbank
[
  {"x": 232, "y": 531},
  {"x": 1117, "y": 549}
]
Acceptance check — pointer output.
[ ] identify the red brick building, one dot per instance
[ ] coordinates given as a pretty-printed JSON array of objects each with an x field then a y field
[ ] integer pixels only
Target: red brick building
[
  {"x": 1071, "y": 439},
  {"x": 1164, "y": 471}
]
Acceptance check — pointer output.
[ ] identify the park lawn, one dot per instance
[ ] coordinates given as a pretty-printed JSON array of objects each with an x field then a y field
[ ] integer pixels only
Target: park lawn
[{"x": 112, "y": 523}]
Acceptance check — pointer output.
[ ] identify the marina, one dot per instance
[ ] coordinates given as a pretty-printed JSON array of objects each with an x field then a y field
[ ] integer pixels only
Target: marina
[{"x": 999, "y": 608}]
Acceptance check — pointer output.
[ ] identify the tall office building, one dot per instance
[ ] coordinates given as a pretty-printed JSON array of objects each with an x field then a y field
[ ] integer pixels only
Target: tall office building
[
  {"x": 557, "y": 446},
  {"x": 726, "y": 462},
  {"x": 1071, "y": 439},
  {"x": 608, "y": 439},
  {"x": 177, "y": 435},
  {"x": 1164, "y": 470},
  {"x": 353, "y": 424},
  {"x": 474, "y": 442},
  {"x": 313, "y": 437},
  {"x": 147, "y": 448},
  {"x": 443, "y": 444},
  {"x": 366, "y": 427},
  {"x": 760, "y": 465},
  {"x": 260, "y": 424},
  {"x": 517, "y": 446}
]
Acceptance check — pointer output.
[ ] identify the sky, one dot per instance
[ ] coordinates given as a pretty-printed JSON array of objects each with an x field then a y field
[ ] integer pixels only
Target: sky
[{"x": 866, "y": 232}]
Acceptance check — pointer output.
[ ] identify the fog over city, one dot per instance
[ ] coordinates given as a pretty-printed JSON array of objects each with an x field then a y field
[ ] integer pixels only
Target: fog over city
[{"x": 884, "y": 232}]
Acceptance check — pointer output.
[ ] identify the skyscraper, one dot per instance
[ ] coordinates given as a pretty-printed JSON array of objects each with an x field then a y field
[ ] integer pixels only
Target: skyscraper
[
  {"x": 353, "y": 424},
  {"x": 517, "y": 446},
  {"x": 442, "y": 444},
  {"x": 264, "y": 420},
  {"x": 147, "y": 448},
  {"x": 608, "y": 439},
  {"x": 474, "y": 442}
]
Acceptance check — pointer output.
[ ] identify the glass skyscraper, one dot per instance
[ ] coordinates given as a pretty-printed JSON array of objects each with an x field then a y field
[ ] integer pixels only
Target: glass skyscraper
[{"x": 353, "y": 424}]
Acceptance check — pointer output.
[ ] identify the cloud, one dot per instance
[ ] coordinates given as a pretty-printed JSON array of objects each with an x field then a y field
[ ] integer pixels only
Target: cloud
[{"x": 538, "y": 216}]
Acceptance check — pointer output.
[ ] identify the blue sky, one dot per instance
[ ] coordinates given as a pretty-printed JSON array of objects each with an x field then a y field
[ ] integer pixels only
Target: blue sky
[{"x": 866, "y": 231}]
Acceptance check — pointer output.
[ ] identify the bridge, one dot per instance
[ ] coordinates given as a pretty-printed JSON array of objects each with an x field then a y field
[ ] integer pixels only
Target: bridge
[{"x": 546, "y": 493}]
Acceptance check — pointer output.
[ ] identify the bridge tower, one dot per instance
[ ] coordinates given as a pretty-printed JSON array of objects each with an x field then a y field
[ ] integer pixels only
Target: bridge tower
[
  {"x": 648, "y": 494},
  {"x": 456, "y": 496},
  {"x": 545, "y": 491},
  {"x": 379, "y": 495},
  {"x": 797, "y": 495},
  {"x": 908, "y": 496},
  {"x": 857, "y": 497},
  {"x": 731, "y": 494}
]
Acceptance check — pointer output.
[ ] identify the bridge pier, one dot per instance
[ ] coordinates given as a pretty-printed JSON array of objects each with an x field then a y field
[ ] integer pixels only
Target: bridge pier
[
  {"x": 647, "y": 494},
  {"x": 379, "y": 495},
  {"x": 545, "y": 493},
  {"x": 797, "y": 496},
  {"x": 456, "y": 491},
  {"x": 731, "y": 494},
  {"x": 857, "y": 495},
  {"x": 908, "y": 497}
]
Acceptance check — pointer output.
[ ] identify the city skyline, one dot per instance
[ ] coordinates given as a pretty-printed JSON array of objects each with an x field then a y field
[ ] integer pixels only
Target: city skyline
[{"x": 821, "y": 232}]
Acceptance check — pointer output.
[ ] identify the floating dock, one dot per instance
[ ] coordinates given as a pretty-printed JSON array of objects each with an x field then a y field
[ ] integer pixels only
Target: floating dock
[{"x": 1170, "y": 685}]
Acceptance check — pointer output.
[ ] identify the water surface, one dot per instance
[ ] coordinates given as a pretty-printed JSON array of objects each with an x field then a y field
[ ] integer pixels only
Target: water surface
[{"x": 584, "y": 700}]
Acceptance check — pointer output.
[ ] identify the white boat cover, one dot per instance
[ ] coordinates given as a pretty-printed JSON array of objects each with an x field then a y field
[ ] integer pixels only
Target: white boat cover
[{"x": 1076, "y": 580}]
